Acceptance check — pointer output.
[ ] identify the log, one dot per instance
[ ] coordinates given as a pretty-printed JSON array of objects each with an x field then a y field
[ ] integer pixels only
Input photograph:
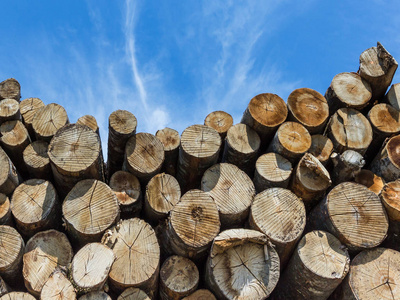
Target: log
[
  {"x": 11, "y": 252},
  {"x": 126, "y": 187},
  {"x": 133, "y": 294},
  {"x": 232, "y": 191},
  {"x": 171, "y": 140},
  {"x": 241, "y": 147},
  {"x": 48, "y": 120},
  {"x": 121, "y": 126},
  {"x": 265, "y": 113},
  {"x": 9, "y": 177},
  {"x": 17, "y": 296},
  {"x": 291, "y": 140},
  {"x": 353, "y": 214},
  {"x": 44, "y": 252},
  {"x": 199, "y": 150},
  {"x": 137, "y": 256},
  {"x": 162, "y": 194},
  {"x": 90, "y": 122},
  {"x": 390, "y": 197},
  {"x": 98, "y": 295},
  {"x": 373, "y": 182},
  {"x": 377, "y": 67},
  {"x": 75, "y": 154},
  {"x": 28, "y": 108},
  {"x": 386, "y": 164},
  {"x": 346, "y": 166},
  {"x": 350, "y": 130},
  {"x": 179, "y": 277},
  {"x": 309, "y": 108},
  {"x": 89, "y": 209},
  {"x": 272, "y": 170},
  {"x": 10, "y": 88},
  {"x": 35, "y": 207},
  {"x": 9, "y": 110},
  {"x": 393, "y": 96},
  {"x": 201, "y": 294},
  {"x": 90, "y": 267},
  {"x": 58, "y": 287},
  {"x": 219, "y": 120},
  {"x": 37, "y": 160},
  {"x": 281, "y": 216},
  {"x": 310, "y": 180},
  {"x": 5, "y": 211},
  {"x": 4, "y": 288},
  {"x": 318, "y": 266},
  {"x": 348, "y": 90},
  {"x": 242, "y": 265},
  {"x": 321, "y": 148}
]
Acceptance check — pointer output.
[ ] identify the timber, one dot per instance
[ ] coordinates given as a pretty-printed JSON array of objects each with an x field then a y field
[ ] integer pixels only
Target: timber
[
  {"x": 98, "y": 295},
  {"x": 4, "y": 288},
  {"x": 37, "y": 160},
  {"x": 201, "y": 294},
  {"x": 9, "y": 177},
  {"x": 90, "y": 122},
  {"x": 28, "y": 108},
  {"x": 10, "y": 88},
  {"x": 9, "y": 110},
  {"x": 11, "y": 253},
  {"x": 17, "y": 296},
  {"x": 5, "y": 210},
  {"x": 58, "y": 287},
  {"x": 386, "y": 164},
  {"x": 133, "y": 294},
  {"x": 321, "y": 148},
  {"x": 219, "y": 120},
  {"x": 171, "y": 140},
  {"x": 393, "y": 96},
  {"x": 48, "y": 120},
  {"x": 372, "y": 181},
  {"x": 346, "y": 166},
  {"x": 390, "y": 197}
]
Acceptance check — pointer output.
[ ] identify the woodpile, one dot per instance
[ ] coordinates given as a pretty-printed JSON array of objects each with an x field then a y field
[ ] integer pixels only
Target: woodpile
[{"x": 300, "y": 200}]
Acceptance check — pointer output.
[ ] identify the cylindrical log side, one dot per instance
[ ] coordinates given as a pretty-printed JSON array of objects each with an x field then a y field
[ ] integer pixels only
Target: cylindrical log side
[
  {"x": 9, "y": 177},
  {"x": 386, "y": 164},
  {"x": 35, "y": 207},
  {"x": 144, "y": 156},
  {"x": 372, "y": 181},
  {"x": 10, "y": 88},
  {"x": 171, "y": 140},
  {"x": 377, "y": 67},
  {"x": 5, "y": 211},
  {"x": 11, "y": 252},
  {"x": 281, "y": 216},
  {"x": 353, "y": 214},
  {"x": 48, "y": 120},
  {"x": 242, "y": 265},
  {"x": 44, "y": 252},
  {"x": 319, "y": 264},
  {"x": 350, "y": 130},
  {"x": 162, "y": 194},
  {"x": 121, "y": 126},
  {"x": 58, "y": 287},
  {"x": 133, "y": 294},
  {"x": 179, "y": 277},
  {"x": 126, "y": 187},
  {"x": 390, "y": 197},
  {"x": 9, "y": 110},
  {"x": 201, "y": 294},
  {"x": 90, "y": 122},
  {"x": 28, "y": 108},
  {"x": 37, "y": 160},
  {"x": 321, "y": 148},
  {"x": 309, "y": 108},
  {"x": 199, "y": 150},
  {"x": 17, "y": 296},
  {"x": 98, "y": 295},
  {"x": 393, "y": 96},
  {"x": 241, "y": 147},
  {"x": 346, "y": 166},
  {"x": 89, "y": 209}
]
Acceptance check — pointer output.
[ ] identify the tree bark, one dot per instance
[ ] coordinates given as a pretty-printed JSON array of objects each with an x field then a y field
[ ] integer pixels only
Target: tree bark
[
  {"x": 321, "y": 148},
  {"x": 133, "y": 294},
  {"x": 171, "y": 140},
  {"x": 28, "y": 108},
  {"x": 48, "y": 120},
  {"x": 387, "y": 163},
  {"x": 11, "y": 251},
  {"x": 10, "y": 88},
  {"x": 58, "y": 287},
  {"x": 5, "y": 211},
  {"x": 9, "y": 110},
  {"x": 201, "y": 294},
  {"x": 346, "y": 166},
  {"x": 9, "y": 177},
  {"x": 373, "y": 182},
  {"x": 393, "y": 96},
  {"x": 37, "y": 160}
]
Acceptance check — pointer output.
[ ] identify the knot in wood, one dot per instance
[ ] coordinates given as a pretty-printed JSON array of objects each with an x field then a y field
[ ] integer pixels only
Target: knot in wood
[{"x": 197, "y": 213}]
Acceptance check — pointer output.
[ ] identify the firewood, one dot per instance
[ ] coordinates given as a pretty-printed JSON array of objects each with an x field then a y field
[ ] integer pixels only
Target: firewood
[
  {"x": 171, "y": 140},
  {"x": 162, "y": 194},
  {"x": 37, "y": 160},
  {"x": 58, "y": 287},
  {"x": 4, "y": 288},
  {"x": 353, "y": 214},
  {"x": 121, "y": 126},
  {"x": 393, "y": 96},
  {"x": 281, "y": 216},
  {"x": 241, "y": 147},
  {"x": 309, "y": 108},
  {"x": 126, "y": 187},
  {"x": 199, "y": 150},
  {"x": 44, "y": 252},
  {"x": 90, "y": 122},
  {"x": 89, "y": 209},
  {"x": 48, "y": 120},
  {"x": 372, "y": 181},
  {"x": 242, "y": 265},
  {"x": 11, "y": 252},
  {"x": 219, "y": 120},
  {"x": 5, "y": 210},
  {"x": 386, "y": 164},
  {"x": 272, "y": 170},
  {"x": 390, "y": 197},
  {"x": 9, "y": 177},
  {"x": 346, "y": 166},
  {"x": 232, "y": 191},
  {"x": 10, "y": 88},
  {"x": 321, "y": 148},
  {"x": 318, "y": 266},
  {"x": 9, "y": 110},
  {"x": 377, "y": 67},
  {"x": 201, "y": 294},
  {"x": 28, "y": 108},
  {"x": 35, "y": 207},
  {"x": 133, "y": 294},
  {"x": 17, "y": 296},
  {"x": 98, "y": 295},
  {"x": 144, "y": 156},
  {"x": 179, "y": 277},
  {"x": 291, "y": 140}
]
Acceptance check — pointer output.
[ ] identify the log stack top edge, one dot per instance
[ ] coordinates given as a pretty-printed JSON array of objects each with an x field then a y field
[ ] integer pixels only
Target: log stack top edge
[
  {"x": 243, "y": 139},
  {"x": 48, "y": 120},
  {"x": 28, "y": 108},
  {"x": 200, "y": 141},
  {"x": 123, "y": 122},
  {"x": 9, "y": 110},
  {"x": 219, "y": 120},
  {"x": 10, "y": 88},
  {"x": 169, "y": 138},
  {"x": 89, "y": 121}
]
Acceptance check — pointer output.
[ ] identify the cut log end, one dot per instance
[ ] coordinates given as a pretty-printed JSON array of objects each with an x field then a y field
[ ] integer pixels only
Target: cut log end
[
  {"x": 9, "y": 177},
  {"x": 122, "y": 122},
  {"x": 89, "y": 121},
  {"x": 17, "y": 296},
  {"x": 220, "y": 121},
  {"x": 58, "y": 287},
  {"x": 11, "y": 250},
  {"x": 390, "y": 197},
  {"x": 9, "y": 110},
  {"x": 10, "y": 88},
  {"x": 321, "y": 148},
  {"x": 126, "y": 187},
  {"x": 372, "y": 181},
  {"x": 48, "y": 120},
  {"x": 169, "y": 138},
  {"x": 201, "y": 294},
  {"x": 5, "y": 210},
  {"x": 37, "y": 160},
  {"x": 98, "y": 295},
  {"x": 133, "y": 294}
]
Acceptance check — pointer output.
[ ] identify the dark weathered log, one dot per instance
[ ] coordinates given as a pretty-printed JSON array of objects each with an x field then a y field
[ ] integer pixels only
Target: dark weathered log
[
  {"x": 58, "y": 287},
  {"x": 98, "y": 295},
  {"x": 9, "y": 110},
  {"x": 171, "y": 140},
  {"x": 17, "y": 296},
  {"x": 219, "y": 120},
  {"x": 242, "y": 265},
  {"x": 201, "y": 294},
  {"x": 48, "y": 120},
  {"x": 321, "y": 148},
  {"x": 5, "y": 211},
  {"x": 11, "y": 253},
  {"x": 387, "y": 162},
  {"x": 372, "y": 181},
  {"x": 37, "y": 160},
  {"x": 10, "y": 88},
  {"x": 232, "y": 191},
  {"x": 90, "y": 122},
  {"x": 393, "y": 96},
  {"x": 133, "y": 294},
  {"x": 28, "y": 108},
  {"x": 346, "y": 166},
  {"x": 318, "y": 266},
  {"x": 9, "y": 177},
  {"x": 4, "y": 288},
  {"x": 281, "y": 216}
]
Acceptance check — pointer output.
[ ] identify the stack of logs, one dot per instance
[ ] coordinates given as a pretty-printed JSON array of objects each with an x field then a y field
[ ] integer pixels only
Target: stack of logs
[{"x": 300, "y": 200}]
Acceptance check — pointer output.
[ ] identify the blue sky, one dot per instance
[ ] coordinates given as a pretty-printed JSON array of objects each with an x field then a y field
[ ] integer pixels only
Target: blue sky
[{"x": 171, "y": 63}]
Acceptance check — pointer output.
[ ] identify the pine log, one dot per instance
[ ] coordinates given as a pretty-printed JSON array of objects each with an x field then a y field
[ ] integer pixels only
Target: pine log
[
  {"x": 12, "y": 248},
  {"x": 144, "y": 156},
  {"x": 265, "y": 113},
  {"x": 28, "y": 108},
  {"x": 220, "y": 121},
  {"x": 241, "y": 147},
  {"x": 89, "y": 209},
  {"x": 17, "y": 296},
  {"x": 9, "y": 110},
  {"x": 281, "y": 216},
  {"x": 9, "y": 177},
  {"x": 137, "y": 256},
  {"x": 126, "y": 187},
  {"x": 201, "y": 294},
  {"x": 291, "y": 140},
  {"x": 5, "y": 211},
  {"x": 370, "y": 180},
  {"x": 121, "y": 126},
  {"x": 58, "y": 287},
  {"x": 171, "y": 140},
  {"x": 349, "y": 129},
  {"x": 387, "y": 162},
  {"x": 35, "y": 207},
  {"x": 309, "y": 108},
  {"x": 346, "y": 166},
  {"x": 48, "y": 120},
  {"x": 377, "y": 67},
  {"x": 393, "y": 96},
  {"x": 4, "y": 288},
  {"x": 10, "y": 88},
  {"x": 179, "y": 277},
  {"x": 318, "y": 266},
  {"x": 390, "y": 197},
  {"x": 98, "y": 295},
  {"x": 44, "y": 252},
  {"x": 90, "y": 122},
  {"x": 272, "y": 170},
  {"x": 242, "y": 265},
  {"x": 162, "y": 194},
  {"x": 232, "y": 191},
  {"x": 37, "y": 160},
  {"x": 353, "y": 214},
  {"x": 321, "y": 148},
  {"x": 75, "y": 154},
  {"x": 199, "y": 150},
  {"x": 133, "y": 294}
]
